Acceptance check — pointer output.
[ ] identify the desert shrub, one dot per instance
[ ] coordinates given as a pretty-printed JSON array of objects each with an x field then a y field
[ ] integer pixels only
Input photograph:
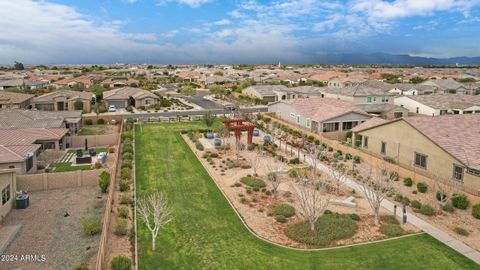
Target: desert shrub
[
  {"x": 327, "y": 229},
  {"x": 127, "y": 148},
  {"x": 127, "y": 155},
  {"x": 91, "y": 225},
  {"x": 330, "y": 149},
  {"x": 461, "y": 231},
  {"x": 104, "y": 181},
  {"x": 253, "y": 182},
  {"x": 394, "y": 176},
  {"x": 101, "y": 121},
  {"x": 294, "y": 161},
  {"x": 199, "y": 146},
  {"x": 408, "y": 182},
  {"x": 448, "y": 207},
  {"x": 357, "y": 159},
  {"x": 327, "y": 212},
  {"x": 390, "y": 219},
  {"x": 422, "y": 187},
  {"x": 284, "y": 209},
  {"x": 123, "y": 212},
  {"x": 460, "y": 201},
  {"x": 126, "y": 164},
  {"x": 280, "y": 218},
  {"x": 126, "y": 199},
  {"x": 391, "y": 230},
  {"x": 405, "y": 201},
  {"x": 121, "y": 228},
  {"x": 81, "y": 267},
  {"x": 476, "y": 211},
  {"x": 126, "y": 173},
  {"x": 416, "y": 204},
  {"x": 440, "y": 196},
  {"x": 355, "y": 217},
  {"x": 124, "y": 185},
  {"x": 398, "y": 198},
  {"x": 121, "y": 263},
  {"x": 427, "y": 210},
  {"x": 127, "y": 135},
  {"x": 296, "y": 172},
  {"x": 88, "y": 122}
]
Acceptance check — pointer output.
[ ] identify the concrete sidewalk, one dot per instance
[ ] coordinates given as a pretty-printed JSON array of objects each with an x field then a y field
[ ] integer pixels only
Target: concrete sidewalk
[{"x": 411, "y": 218}]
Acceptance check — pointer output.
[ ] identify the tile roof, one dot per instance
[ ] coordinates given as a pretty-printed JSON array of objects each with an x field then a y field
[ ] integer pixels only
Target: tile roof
[
  {"x": 445, "y": 84},
  {"x": 357, "y": 91},
  {"x": 68, "y": 94},
  {"x": 127, "y": 92},
  {"x": 14, "y": 98},
  {"x": 7, "y": 155},
  {"x": 379, "y": 107},
  {"x": 321, "y": 109},
  {"x": 18, "y": 118},
  {"x": 9, "y": 137},
  {"x": 268, "y": 90},
  {"x": 372, "y": 122},
  {"x": 447, "y": 101},
  {"x": 458, "y": 134}
]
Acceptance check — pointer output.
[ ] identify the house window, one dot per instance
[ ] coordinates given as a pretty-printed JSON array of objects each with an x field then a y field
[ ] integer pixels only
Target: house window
[
  {"x": 369, "y": 99},
  {"x": 417, "y": 110},
  {"x": 11, "y": 167},
  {"x": 298, "y": 119},
  {"x": 383, "y": 148},
  {"x": 6, "y": 194},
  {"x": 457, "y": 172},
  {"x": 442, "y": 112},
  {"x": 365, "y": 142},
  {"x": 398, "y": 114},
  {"x": 421, "y": 160},
  {"x": 309, "y": 122}
]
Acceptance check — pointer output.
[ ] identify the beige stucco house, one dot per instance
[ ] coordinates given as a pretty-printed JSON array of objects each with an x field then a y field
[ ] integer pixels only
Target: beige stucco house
[
  {"x": 130, "y": 96},
  {"x": 64, "y": 100},
  {"x": 440, "y": 147},
  {"x": 8, "y": 187},
  {"x": 14, "y": 100}
]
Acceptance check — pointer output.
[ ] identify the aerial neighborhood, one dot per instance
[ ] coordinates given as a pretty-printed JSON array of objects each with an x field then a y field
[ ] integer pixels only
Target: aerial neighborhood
[{"x": 299, "y": 156}]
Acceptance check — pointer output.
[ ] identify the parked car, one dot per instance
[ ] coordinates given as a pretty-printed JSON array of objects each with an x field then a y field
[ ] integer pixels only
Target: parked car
[{"x": 112, "y": 108}]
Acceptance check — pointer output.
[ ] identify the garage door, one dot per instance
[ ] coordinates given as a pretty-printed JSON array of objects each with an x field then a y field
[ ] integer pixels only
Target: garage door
[{"x": 119, "y": 104}]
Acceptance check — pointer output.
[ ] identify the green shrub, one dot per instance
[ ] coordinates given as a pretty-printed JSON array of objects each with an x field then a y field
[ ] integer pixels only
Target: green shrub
[
  {"x": 121, "y": 263},
  {"x": 121, "y": 229},
  {"x": 124, "y": 185},
  {"x": 126, "y": 173},
  {"x": 448, "y": 207},
  {"x": 253, "y": 182},
  {"x": 440, "y": 196},
  {"x": 391, "y": 230},
  {"x": 127, "y": 135},
  {"x": 126, "y": 199},
  {"x": 357, "y": 159},
  {"x": 348, "y": 156},
  {"x": 390, "y": 219},
  {"x": 398, "y": 198},
  {"x": 476, "y": 211},
  {"x": 199, "y": 146},
  {"x": 460, "y": 201},
  {"x": 427, "y": 210},
  {"x": 127, "y": 155},
  {"x": 101, "y": 121},
  {"x": 88, "y": 122},
  {"x": 297, "y": 172},
  {"x": 406, "y": 201},
  {"x": 327, "y": 229},
  {"x": 91, "y": 225},
  {"x": 294, "y": 161},
  {"x": 355, "y": 217},
  {"x": 126, "y": 164},
  {"x": 461, "y": 231},
  {"x": 104, "y": 181},
  {"x": 123, "y": 212},
  {"x": 408, "y": 182},
  {"x": 416, "y": 204},
  {"x": 81, "y": 267},
  {"x": 280, "y": 218},
  {"x": 127, "y": 148},
  {"x": 422, "y": 187},
  {"x": 284, "y": 209},
  {"x": 394, "y": 176}
]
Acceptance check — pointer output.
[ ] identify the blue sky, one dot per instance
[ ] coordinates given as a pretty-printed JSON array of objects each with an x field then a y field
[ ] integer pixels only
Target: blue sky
[{"x": 235, "y": 31}]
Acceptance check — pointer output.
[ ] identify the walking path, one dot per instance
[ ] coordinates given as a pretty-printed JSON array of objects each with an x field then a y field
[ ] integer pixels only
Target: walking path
[{"x": 411, "y": 218}]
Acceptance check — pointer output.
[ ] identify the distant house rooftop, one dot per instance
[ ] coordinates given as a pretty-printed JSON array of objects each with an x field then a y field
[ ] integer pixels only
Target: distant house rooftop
[
  {"x": 20, "y": 119},
  {"x": 356, "y": 91},
  {"x": 447, "y": 101}
]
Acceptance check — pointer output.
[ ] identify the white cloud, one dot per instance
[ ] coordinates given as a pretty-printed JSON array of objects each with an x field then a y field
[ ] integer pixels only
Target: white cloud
[
  {"x": 191, "y": 3},
  {"x": 222, "y": 22},
  {"x": 170, "y": 34}
]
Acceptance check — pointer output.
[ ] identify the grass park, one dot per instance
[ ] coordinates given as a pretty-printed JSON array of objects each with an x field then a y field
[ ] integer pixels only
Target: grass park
[{"x": 206, "y": 233}]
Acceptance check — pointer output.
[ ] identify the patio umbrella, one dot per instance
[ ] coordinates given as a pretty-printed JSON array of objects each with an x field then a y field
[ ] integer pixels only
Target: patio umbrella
[{"x": 86, "y": 144}]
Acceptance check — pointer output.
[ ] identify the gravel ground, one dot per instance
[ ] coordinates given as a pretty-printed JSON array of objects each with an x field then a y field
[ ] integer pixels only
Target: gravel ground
[{"x": 57, "y": 241}]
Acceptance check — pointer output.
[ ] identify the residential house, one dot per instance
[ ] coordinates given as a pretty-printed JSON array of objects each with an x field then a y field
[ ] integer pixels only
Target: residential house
[
  {"x": 319, "y": 114},
  {"x": 346, "y": 82},
  {"x": 64, "y": 100},
  {"x": 14, "y": 100},
  {"x": 440, "y": 104},
  {"x": 384, "y": 110},
  {"x": 120, "y": 82},
  {"x": 19, "y": 148},
  {"x": 268, "y": 93},
  {"x": 22, "y": 119},
  {"x": 359, "y": 94},
  {"x": 447, "y": 86},
  {"x": 8, "y": 186},
  {"x": 440, "y": 147},
  {"x": 130, "y": 96}
]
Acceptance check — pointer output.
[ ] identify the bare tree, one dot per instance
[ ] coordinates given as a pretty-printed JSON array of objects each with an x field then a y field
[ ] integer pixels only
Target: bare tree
[
  {"x": 375, "y": 187},
  {"x": 315, "y": 154},
  {"x": 275, "y": 171},
  {"x": 254, "y": 159},
  {"x": 222, "y": 135},
  {"x": 337, "y": 173},
  {"x": 445, "y": 187},
  {"x": 154, "y": 212},
  {"x": 312, "y": 200}
]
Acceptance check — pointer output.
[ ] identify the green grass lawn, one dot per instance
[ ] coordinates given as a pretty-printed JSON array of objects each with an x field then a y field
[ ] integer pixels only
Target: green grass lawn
[
  {"x": 67, "y": 167},
  {"x": 206, "y": 233},
  {"x": 93, "y": 130},
  {"x": 86, "y": 152}
]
